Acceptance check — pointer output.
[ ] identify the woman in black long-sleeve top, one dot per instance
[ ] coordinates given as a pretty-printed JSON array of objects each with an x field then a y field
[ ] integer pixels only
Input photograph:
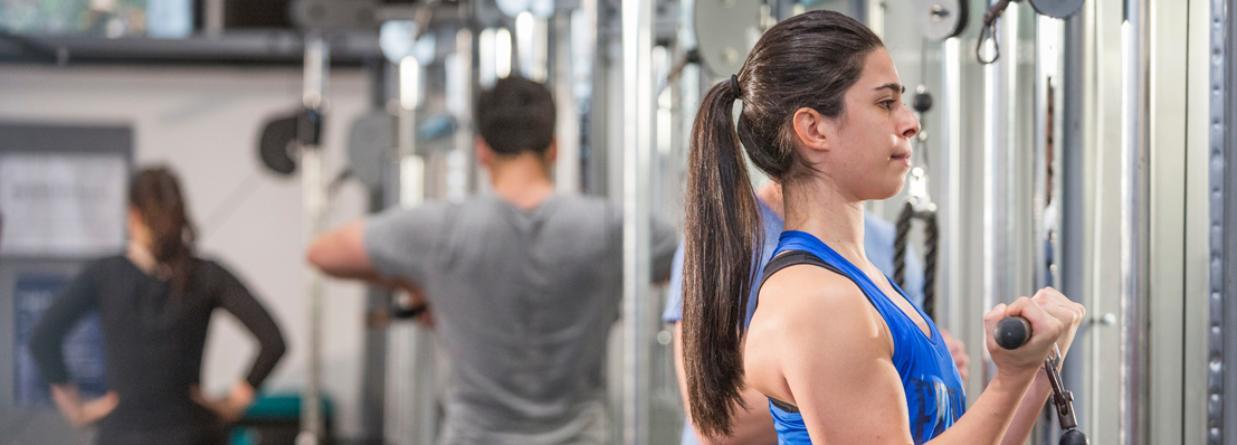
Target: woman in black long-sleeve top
[{"x": 155, "y": 304}]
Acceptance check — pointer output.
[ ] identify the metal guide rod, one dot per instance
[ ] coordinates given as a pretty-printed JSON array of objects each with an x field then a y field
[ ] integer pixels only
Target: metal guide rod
[
  {"x": 638, "y": 112},
  {"x": 317, "y": 57},
  {"x": 1134, "y": 233},
  {"x": 998, "y": 92},
  {"x": 412, "y": 352}
]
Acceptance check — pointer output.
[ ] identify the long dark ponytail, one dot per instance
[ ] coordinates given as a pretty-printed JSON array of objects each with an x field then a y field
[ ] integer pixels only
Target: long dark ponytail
[
  {"x": 809, "y": 60},
  {"x": 155, "y": 193}
]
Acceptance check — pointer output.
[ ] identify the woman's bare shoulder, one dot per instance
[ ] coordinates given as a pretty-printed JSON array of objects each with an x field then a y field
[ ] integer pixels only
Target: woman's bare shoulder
[{"x": 806, "y": 311}]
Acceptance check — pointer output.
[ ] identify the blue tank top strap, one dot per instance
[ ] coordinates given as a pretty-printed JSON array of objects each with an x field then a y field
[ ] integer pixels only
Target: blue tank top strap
[
  {"x": 788, "y": 423},
  {"x": 794, "y": 240}
]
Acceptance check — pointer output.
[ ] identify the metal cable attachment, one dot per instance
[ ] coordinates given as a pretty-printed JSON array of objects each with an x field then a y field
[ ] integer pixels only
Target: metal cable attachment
[{"x": 987, "y": 31}]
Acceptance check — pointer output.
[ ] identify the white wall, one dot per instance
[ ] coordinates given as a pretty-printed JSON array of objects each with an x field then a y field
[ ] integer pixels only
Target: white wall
[{"x": 205, "y": 123}]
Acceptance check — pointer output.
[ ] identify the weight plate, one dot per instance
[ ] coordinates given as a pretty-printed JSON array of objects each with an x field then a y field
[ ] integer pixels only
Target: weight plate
[
  {"x": 370, "y": 142},
  {"x": 725, "y": 31},
  {"x": 941, "y": 19}
]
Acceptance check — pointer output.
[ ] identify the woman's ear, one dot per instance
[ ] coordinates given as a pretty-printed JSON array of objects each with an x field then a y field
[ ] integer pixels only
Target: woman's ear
[
  {"x": 811, "y": 129},
  {"x": 134, "y": 217}
]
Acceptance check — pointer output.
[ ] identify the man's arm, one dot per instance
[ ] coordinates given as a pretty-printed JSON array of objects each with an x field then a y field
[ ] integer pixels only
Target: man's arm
[{"x": 341, "y": 253}]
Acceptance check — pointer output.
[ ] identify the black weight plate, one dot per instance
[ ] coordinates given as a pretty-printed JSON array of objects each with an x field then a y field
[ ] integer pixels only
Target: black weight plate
[{"x": 273, "y": 144}]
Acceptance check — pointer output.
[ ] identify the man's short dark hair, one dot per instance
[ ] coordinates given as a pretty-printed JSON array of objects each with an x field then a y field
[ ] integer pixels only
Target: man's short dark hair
[{"x": 515, "y": 116}]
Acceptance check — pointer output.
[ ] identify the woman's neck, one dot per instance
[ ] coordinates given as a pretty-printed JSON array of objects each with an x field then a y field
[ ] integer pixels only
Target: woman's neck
[
  {"x": 141, "y": 256},
  {"x": 818, "y": 208}
]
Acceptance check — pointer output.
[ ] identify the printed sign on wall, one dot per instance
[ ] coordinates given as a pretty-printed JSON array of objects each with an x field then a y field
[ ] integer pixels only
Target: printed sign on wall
[{"x": 62, "y": 204}]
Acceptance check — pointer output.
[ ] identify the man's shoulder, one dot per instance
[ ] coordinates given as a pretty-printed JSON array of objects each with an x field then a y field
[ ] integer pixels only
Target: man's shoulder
[
  {"x": 585, "y": 206},
  {"x": 585, "y": 200}
]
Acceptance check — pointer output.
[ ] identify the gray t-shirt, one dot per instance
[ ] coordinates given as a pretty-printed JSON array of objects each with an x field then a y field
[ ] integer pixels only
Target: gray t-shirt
[{"x": 523, "y": 302}]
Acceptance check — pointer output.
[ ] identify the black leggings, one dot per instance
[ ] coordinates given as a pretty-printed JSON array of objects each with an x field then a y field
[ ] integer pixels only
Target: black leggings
[
  {"x": 171, "y": 436},
  {"x": 178, "y": 424}
]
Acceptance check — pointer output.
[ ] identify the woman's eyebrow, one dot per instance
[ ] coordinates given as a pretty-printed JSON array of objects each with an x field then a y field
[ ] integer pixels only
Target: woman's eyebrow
[{"x": 893, "y": 87}]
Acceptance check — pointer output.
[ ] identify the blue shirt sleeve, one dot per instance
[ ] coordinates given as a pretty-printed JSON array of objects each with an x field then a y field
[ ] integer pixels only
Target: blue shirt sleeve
[
  {"x": 878, "y": 241},
  {"x": 914, "y": 277},
  {"x": 673, "y": 312},
  {"x": 772, "y": 225}
]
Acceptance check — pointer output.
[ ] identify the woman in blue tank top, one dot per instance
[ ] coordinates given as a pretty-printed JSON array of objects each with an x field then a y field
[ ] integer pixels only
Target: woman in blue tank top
[{"x": 842, "y": 355}]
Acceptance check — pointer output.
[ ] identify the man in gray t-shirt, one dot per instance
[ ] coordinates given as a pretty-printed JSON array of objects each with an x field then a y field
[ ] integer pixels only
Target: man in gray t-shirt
[{"x": 524, "y": 284}]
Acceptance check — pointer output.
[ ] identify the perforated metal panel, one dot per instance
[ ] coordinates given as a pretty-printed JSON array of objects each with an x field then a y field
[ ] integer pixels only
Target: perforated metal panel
[{"x": 1216, "y": 336}]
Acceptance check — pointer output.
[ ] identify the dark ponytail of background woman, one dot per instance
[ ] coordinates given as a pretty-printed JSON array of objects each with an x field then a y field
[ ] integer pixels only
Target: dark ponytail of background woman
[{"x": 155, "y": 194}]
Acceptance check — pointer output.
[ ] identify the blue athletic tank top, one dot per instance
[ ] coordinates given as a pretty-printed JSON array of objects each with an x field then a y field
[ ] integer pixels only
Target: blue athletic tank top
[{"x": 934, "y": 394}]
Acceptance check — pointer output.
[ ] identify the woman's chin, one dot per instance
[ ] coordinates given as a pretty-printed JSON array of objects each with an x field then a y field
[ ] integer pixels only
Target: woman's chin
[{"x": 884, "y": 191}]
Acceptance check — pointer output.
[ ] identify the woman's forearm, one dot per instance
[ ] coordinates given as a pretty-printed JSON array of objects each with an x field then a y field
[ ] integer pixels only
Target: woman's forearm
[
  {"x": 989, "y": 418},
  {"x": 1028, "y": 411},
  {"x": 82, "y": 413},
  {"x": 68, "y": 402}
]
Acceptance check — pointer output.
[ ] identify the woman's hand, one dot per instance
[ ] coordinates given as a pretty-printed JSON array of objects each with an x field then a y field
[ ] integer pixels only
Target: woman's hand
[
  {"x": 95, "y": 410},
  {"x": 1070, "y": 314},
  {"x": 82, "y": 414},
  {"x": 230, "y": 408},
  {"x": 1047, "y": 328}
]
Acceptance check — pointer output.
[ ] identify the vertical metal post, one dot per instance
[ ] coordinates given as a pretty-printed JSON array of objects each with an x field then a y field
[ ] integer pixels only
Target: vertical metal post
[
  {"x": 587, "y": 82},
  {"x": 1045, "y": 250},
  {"x": 313, "y": 186},
  {"x": 873, "y": 15},
  {"x": 1000, "y": 95},
  {"x": 1102, "y": 114},
  {"x": 532, "y": 42},
  {"x": 563, "y": 81},
  {"x": 460, "y": 84},
  {"x": 1197, "y": 321},
  {"x": 412, "y": 360},
  {"x": 637, "y": 21},
  {"x": 411, "y": 165},
  {"x": 1020, "y": 208},
  {"x": 1134, "y": 216},
  {"x": 1071, "y": 202},
  {"x": 958, "y": 311},
  {"x": 1047, "y": 142},
  {"x": 993, "y": 197},
  {"x": 374, "y": 358},
  {"x": 1165, "y": 208}
]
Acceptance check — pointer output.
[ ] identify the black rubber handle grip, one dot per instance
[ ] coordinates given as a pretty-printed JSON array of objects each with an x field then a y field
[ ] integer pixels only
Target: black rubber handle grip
[
  {"x": 1073, "y": 437},
  {"x": 1012, "y": 332}
]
